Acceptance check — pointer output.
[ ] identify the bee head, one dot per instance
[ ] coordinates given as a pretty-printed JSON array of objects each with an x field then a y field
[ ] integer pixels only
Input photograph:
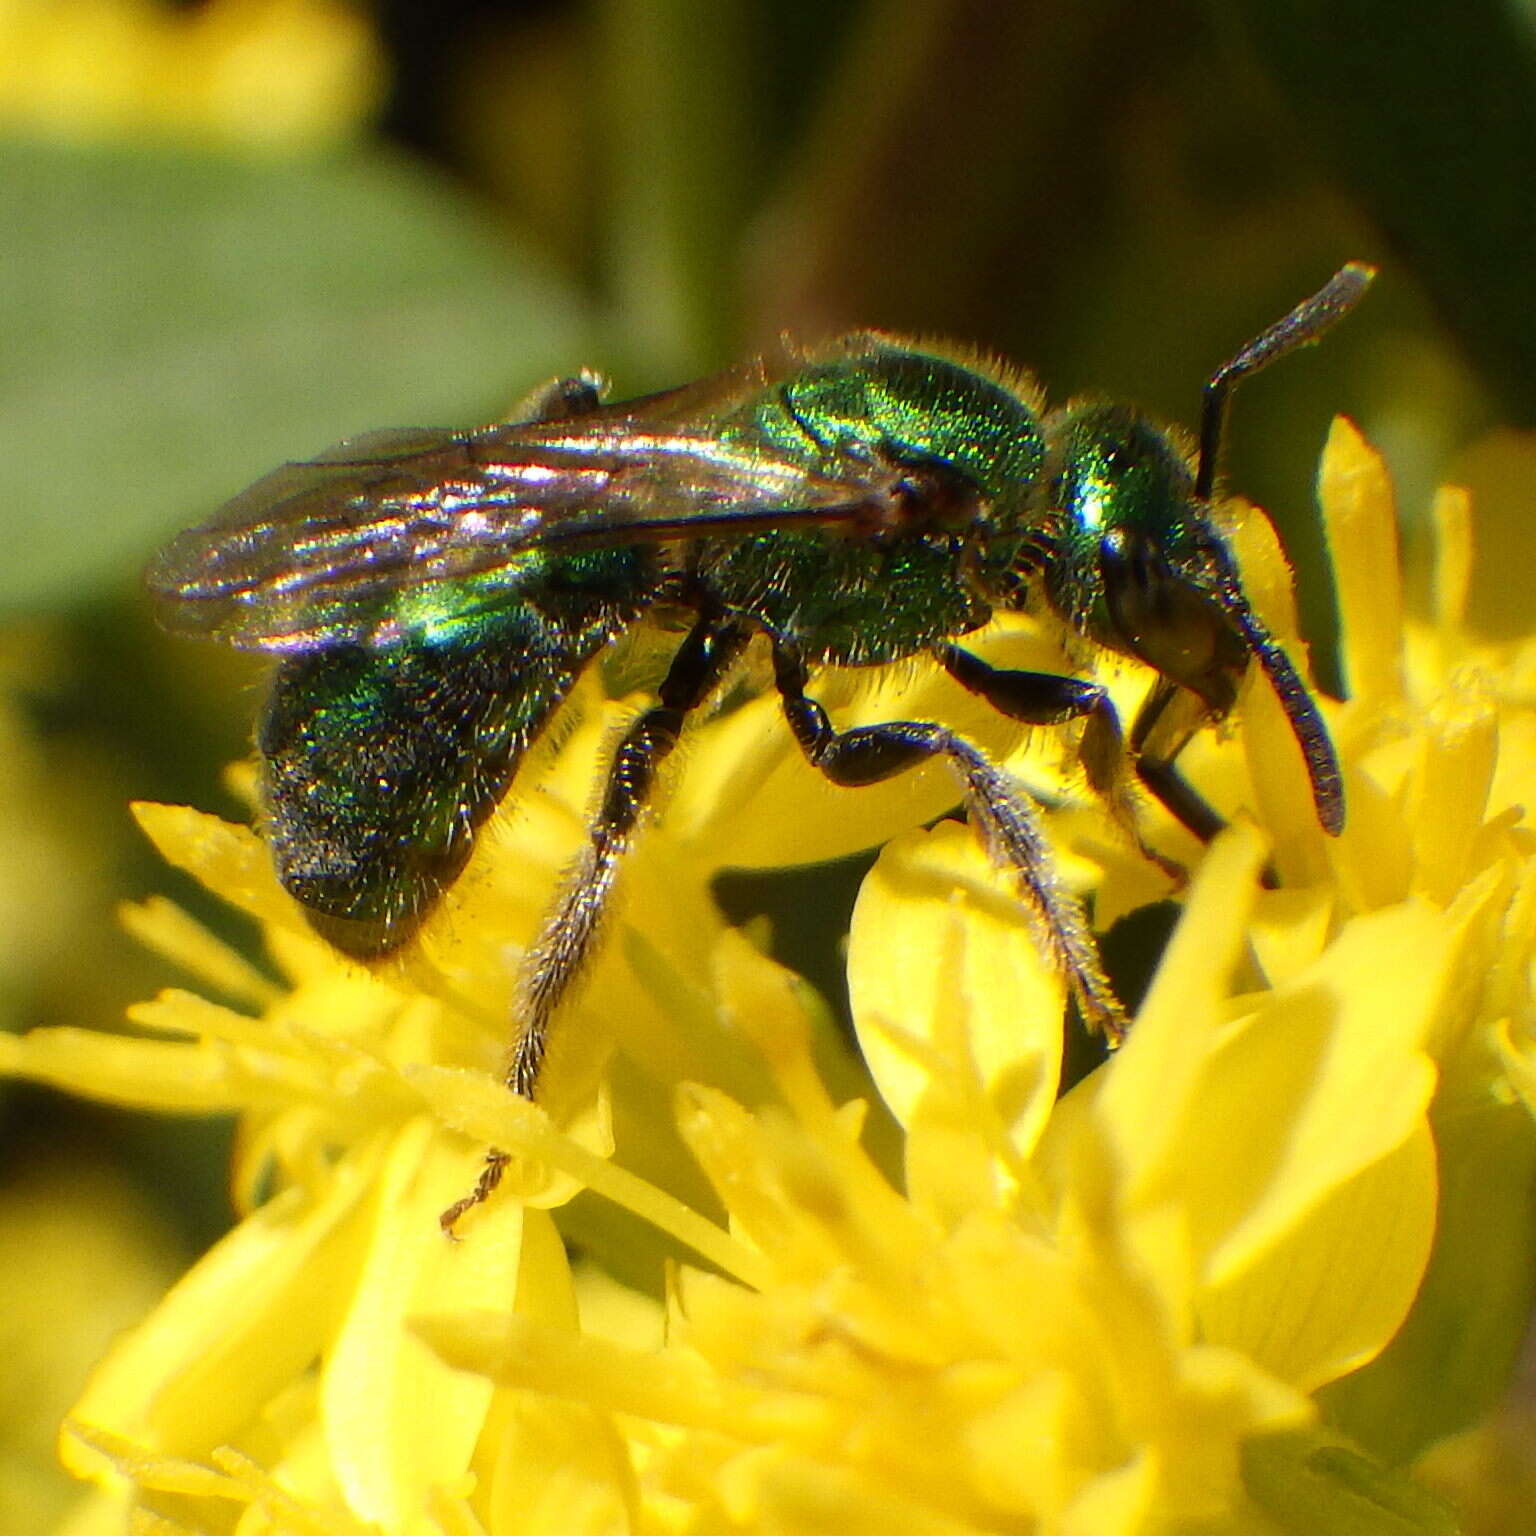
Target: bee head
[
  {"x": 1135, "y": 562},
  {"x": 1142, "y": 569}
]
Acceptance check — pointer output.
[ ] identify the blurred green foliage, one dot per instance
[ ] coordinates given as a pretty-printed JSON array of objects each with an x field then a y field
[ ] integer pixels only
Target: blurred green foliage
[
  {"x": 173, "y": 320},
  {"x": 1115, "y": 194},
  {"x": 1428, "y": 115}
]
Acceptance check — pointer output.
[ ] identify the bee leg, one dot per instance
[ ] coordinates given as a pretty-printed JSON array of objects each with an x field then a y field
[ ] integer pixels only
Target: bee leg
[
  {"x": 558, "y": 398},
  {"x": 571, "y": 929},
  {"x": 1048, "y": 698},
  {"x": 1163, "y": 727},
  {"x": 1168, "y": 719},
  {"x": 997, "y": 806}
]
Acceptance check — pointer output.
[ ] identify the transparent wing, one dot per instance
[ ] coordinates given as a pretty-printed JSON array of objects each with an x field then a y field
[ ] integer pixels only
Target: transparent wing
[{"x": 311, "y": 554}]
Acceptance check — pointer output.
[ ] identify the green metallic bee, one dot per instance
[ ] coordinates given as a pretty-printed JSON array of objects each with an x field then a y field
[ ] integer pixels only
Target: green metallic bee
[{"x": 432, "y": 596}]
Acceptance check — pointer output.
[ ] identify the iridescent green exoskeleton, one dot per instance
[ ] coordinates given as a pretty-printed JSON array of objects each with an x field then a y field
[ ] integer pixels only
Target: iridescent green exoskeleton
[{"x": 433, "y": 595}]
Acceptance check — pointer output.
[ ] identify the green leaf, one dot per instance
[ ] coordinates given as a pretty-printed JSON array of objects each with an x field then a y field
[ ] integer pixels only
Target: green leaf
[{"x": 172, "y": 325}]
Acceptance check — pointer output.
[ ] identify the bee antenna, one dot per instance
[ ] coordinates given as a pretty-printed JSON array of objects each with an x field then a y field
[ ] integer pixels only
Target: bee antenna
[
  {"x": 1295, "y": 699},
  {"x": 1301, "y": 327},
  {"x": 1306, "y": 725}
]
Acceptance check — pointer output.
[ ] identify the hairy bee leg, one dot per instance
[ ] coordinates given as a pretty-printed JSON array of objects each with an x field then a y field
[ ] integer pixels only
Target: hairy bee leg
[
  {"x": 1049, "y": 698},
  {"x": 1035, "y": 698},
  {"x": 571, "y": 928},
  {"x": 997, "y": 806}
]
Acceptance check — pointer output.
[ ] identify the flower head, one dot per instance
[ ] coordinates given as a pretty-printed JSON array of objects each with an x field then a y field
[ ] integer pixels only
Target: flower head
[{"x": 1176, "y": 1297}]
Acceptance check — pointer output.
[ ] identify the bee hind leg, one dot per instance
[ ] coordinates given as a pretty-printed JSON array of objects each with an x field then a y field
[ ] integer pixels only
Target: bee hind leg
[{"x": 574, "y": 923}]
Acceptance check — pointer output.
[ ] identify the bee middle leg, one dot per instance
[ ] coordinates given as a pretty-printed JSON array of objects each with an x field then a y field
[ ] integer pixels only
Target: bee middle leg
[
  {"x": 998, "y": 808},
  {"x": 1050, "y": 698},
  {"x": 571, "y": 929}
]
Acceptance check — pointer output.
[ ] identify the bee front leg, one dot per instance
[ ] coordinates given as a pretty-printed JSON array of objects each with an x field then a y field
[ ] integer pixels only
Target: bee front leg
[
  {"x": 573, "y": 926},
  {"x": 1168, "y": 719},
  {"x": 998, "y": 808}
]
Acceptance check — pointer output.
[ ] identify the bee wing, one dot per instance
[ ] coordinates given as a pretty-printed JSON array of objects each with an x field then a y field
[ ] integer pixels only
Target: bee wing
[{"x": 311, "y": 554}]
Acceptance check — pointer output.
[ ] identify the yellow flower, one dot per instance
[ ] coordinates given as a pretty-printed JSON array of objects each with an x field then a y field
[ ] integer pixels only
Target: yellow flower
[
  {"x": 260, "y": 74},
  {"x": 1188, "y": 1296}
]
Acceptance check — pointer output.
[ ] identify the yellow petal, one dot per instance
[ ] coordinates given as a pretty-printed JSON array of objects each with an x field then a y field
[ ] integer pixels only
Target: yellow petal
[
  {"x": 1311, "y": 1309},
  {"x": 229, "y": 860},
  {"x": 673, "y": 1386},
  {"x": 1361, "y": 523},
  {"x": 161, "y": 925},
  {"x": 1499, "y": 470},
  {"x": 251, "y": 1315},
  {"x": 1282, "y": 792},
  {"x": 1289, "y": 930},
  {"x": 1154, "y": 1074},
  {"x": 146, "y": 1074},
  {"x": 397, "y": 1420},
  {"x": 562, "y": 1469},
  {"x": 1448, "y": 791},
  {"x": 949, "y": 989},
  {"x": 748, "y": 759},
  {"x": 1452, "y": 514},
  {"x": 485, "y": 1109},
  {"x": 1337, "y": 1060}
]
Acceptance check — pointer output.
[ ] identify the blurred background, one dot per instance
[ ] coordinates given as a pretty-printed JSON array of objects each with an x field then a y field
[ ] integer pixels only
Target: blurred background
[{"x": 234, "y": 231}]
